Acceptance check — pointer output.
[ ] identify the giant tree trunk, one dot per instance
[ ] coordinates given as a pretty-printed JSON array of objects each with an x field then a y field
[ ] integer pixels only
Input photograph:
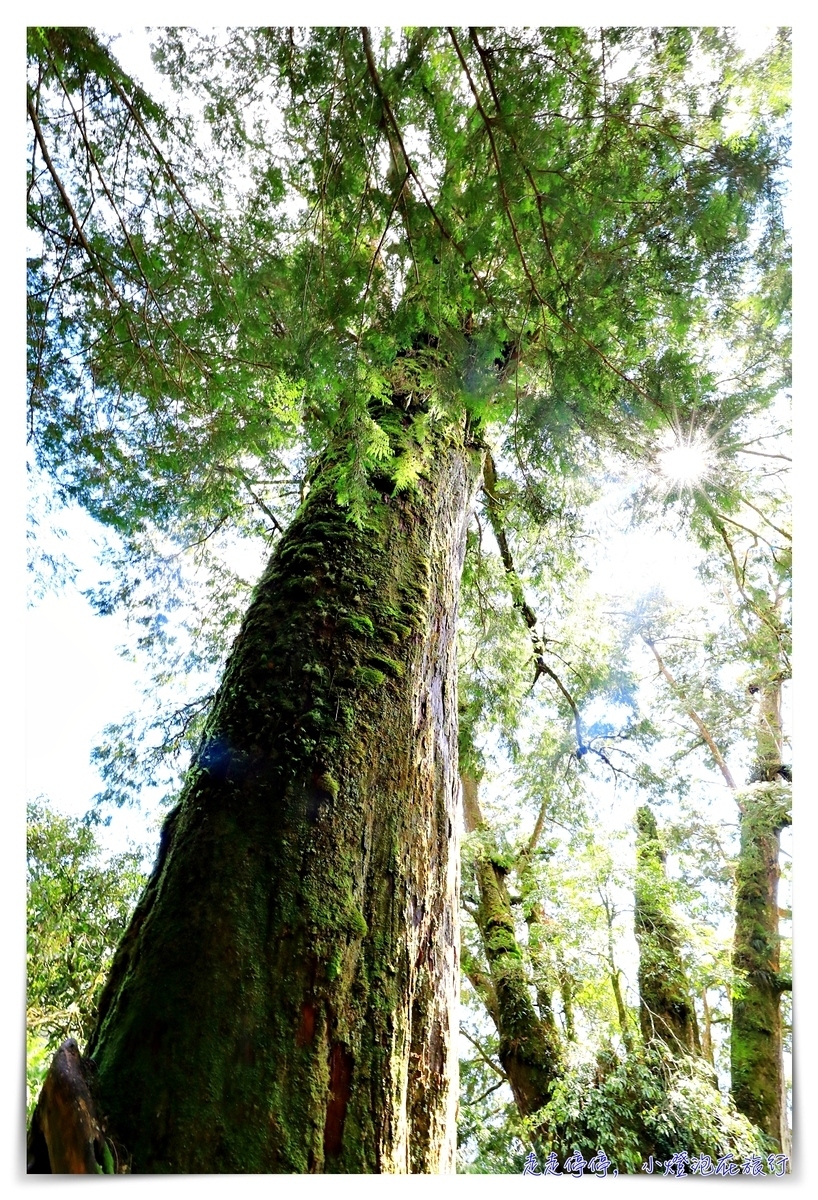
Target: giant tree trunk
[
  {"x": 666, "y": 1011},
  {"x": 285, "y": 996}
]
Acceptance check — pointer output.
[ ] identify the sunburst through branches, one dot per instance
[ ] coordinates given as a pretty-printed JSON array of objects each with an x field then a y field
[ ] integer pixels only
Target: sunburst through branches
[{"x": 685, "y": 459}]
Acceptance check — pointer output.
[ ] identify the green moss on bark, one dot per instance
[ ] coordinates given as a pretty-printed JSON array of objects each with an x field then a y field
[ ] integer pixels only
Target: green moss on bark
[
  {"x": 756, "y": 1034},
  {"x": 530, "y": 1048},
  {"x": 666, "y": 1009},
  {"x": 281, "y": 1000}
]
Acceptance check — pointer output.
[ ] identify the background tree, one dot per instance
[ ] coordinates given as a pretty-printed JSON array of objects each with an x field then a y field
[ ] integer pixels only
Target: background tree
[
  {"x": 78, "y": 907},
  {"x": 666, "y": 1010},
  {"x": 551, "y": 927},
  {"x": 731, "y": 688}
]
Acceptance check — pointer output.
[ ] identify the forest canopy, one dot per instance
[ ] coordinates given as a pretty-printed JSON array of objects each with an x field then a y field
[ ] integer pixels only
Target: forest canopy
[{"x": 409, "y": 322}]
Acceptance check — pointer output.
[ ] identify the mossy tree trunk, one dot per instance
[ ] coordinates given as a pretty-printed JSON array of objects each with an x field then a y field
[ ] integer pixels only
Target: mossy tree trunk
[
  {"x": 616, "y": 985},
  {"x": 283, "y": 1000},
  {"x": 530, "y": 1049},
  {"x": 756, "y": 1066},
  {"x": 666, "y": 1009},
  {"x": 756, "y": 1052}
]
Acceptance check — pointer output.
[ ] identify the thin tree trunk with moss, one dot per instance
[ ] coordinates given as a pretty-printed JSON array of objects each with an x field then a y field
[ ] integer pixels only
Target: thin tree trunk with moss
[
  {"x": 666, "y": 1010},
  {"x": 284, "y": 997},
  {"x": 549, "y": 968},
  {"x": 568, "y": 988},
  {"x": 707, "y": 1032},
  {"x": 621, "y": 1010},
  {"x": 756, "y": 1050},
  {"x": 530, "y": 1050},
  {"x": 614, "y": 973}
]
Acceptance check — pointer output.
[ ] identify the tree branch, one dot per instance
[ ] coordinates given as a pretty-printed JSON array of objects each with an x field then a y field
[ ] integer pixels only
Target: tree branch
[
  {"x": 767, "y": 520},
  {"x": 520, "y": 602},
  {"x": 518, "y": 243},
  {"x": 497, "y": 1070},
  {"x": 694, "y": 716},
  {"x": 373, "y": 71},
  {"x": 69, "y": 207},
  {"x": 196, "y": 358}
]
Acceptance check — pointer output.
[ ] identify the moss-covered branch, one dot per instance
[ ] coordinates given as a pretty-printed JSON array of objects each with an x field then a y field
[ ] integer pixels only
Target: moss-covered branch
[{"x": 530, "y": 1049}]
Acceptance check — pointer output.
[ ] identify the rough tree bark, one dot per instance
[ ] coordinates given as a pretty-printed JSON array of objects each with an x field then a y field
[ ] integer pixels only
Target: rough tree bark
[
  {"x": 66, "y": 1137},
  {"x": 666, "y": 1010},
  {"x": 756, "y": 1052},
  {"x": 283, "y": 999}
]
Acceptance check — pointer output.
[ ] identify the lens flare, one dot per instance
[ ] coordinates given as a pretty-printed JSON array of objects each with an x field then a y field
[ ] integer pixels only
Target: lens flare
[{"x": 685, "y": 460}]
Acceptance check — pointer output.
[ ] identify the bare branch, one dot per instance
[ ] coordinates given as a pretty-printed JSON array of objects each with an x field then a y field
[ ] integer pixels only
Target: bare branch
[
  {"x": 694, "y": 716},
  {"x": 69, "y": 207},
  {"x": 497, "y": 1070},
  {"x": 520, "y": 602}
]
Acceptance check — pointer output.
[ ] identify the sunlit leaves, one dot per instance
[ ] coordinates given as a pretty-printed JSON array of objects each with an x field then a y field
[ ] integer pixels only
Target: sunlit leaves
[
  {"x": 78, "y": 905},
  {"x": 559, "y": 192}
]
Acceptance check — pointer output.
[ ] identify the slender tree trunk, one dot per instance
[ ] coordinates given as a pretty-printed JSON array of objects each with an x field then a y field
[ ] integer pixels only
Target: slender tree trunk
[
  {"x": 707, "y": 1034},
  {"x": 530, "y": 1049},
  {"x": 548, "y": 966},
  {"x": 568, "y": 988},
  {"x": 756, "y": 1053},
  {"x": 616, "y": 987},
  {"x": 621, "y": 1010},
  {"x": 666, "y": 1010},
  {"x": 285, "y": 996},
  {"x": 614, "y": 973}
]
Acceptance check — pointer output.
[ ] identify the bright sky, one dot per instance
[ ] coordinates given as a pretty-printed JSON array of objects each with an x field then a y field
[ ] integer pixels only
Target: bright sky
[{"x": 76, "y": 683}]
